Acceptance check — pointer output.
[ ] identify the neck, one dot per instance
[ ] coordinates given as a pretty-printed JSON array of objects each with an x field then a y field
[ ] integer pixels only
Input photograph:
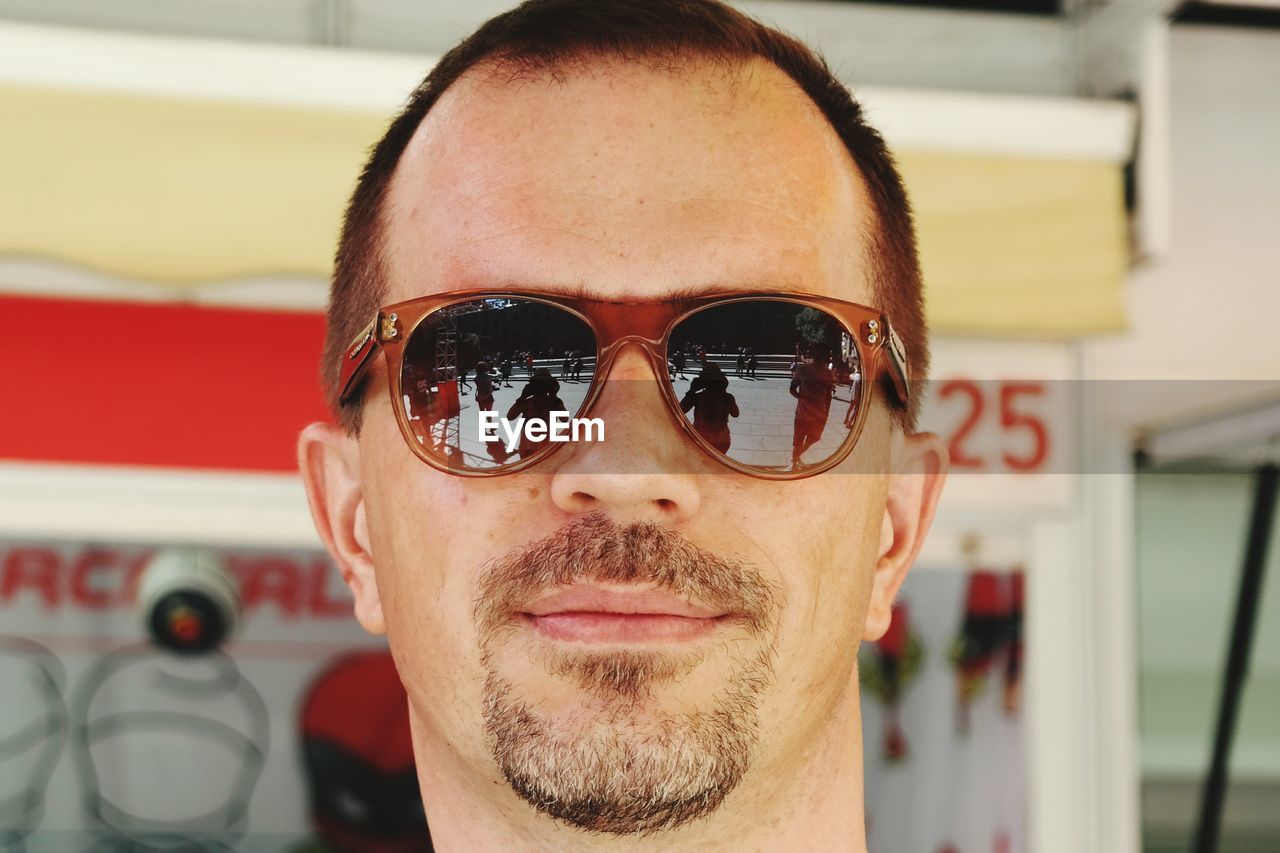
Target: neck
[{"x": 805, "y": 803}]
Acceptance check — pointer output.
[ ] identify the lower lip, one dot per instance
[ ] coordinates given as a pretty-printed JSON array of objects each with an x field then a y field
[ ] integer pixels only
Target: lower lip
[{"x": 619, "y": 627}]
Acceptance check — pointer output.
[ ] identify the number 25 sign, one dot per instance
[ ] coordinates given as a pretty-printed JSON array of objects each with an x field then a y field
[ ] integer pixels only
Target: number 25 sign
[{"x": 996, "y": 426}]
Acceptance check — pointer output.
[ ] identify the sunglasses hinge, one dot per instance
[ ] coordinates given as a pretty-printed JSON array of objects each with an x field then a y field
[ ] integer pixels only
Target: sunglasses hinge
[
  {"x": 388, "y": 327},
  {"x": 873, "y": 332}
]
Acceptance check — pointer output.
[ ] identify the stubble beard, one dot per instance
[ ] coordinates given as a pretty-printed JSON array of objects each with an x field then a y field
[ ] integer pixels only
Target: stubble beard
[{"x": 620, "y": 763}]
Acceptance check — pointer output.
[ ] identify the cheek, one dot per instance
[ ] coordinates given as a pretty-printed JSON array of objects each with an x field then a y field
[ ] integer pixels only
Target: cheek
[
  {"x": 427, "y": 545},
  {"x": 837, "y": 591},
  {"x": 430, "y": 541},
  {"x": 846, "y": 538},
  {"x": 432, "y": 535},
  {"x": 827, "y": 573},
  {"x": 417, "y": 516}
]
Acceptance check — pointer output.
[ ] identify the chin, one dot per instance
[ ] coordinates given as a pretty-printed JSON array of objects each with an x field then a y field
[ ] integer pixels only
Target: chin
[{"x": 622, "y": 741}]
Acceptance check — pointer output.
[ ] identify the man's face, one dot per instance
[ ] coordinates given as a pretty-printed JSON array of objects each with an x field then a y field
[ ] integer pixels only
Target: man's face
[{"x": 506, "y": 599}]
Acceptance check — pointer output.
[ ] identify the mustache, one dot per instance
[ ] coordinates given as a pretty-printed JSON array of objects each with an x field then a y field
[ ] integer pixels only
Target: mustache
[{"x": 597, "y": 549}]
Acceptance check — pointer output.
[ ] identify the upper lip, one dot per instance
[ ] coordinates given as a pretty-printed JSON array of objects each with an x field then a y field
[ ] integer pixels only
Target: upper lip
[{"x": 627, "y": 601}]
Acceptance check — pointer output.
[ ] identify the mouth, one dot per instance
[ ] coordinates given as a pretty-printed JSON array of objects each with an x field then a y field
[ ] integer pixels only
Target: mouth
[{"x": 627, "y": 615}]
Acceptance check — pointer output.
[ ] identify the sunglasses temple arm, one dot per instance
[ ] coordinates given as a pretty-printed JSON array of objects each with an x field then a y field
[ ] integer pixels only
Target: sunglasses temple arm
[
  {"x": 359, "y": 354},
  {"x": 898, "y": 366}
]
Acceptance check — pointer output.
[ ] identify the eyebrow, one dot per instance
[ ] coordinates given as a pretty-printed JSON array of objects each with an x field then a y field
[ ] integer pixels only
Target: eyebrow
[{"x": 680, "y": 293}]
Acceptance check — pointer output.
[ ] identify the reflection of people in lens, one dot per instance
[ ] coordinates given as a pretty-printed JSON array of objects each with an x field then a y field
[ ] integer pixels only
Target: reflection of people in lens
[
  {"x": 484, "y": 387},
  {"x": 497, "y": 451},
  {"x": 426, "y": 403},
  {"x": 855, "y": 389},
  {"x": 538, "y": 399},
  {"x": 812, "y": 385},
  {"x": 712, "y": 406},
  {"x": 678, "y": 361}
]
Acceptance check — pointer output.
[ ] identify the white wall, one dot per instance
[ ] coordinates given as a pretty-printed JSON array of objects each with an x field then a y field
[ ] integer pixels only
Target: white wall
[{"x": 1209, "y": 309}]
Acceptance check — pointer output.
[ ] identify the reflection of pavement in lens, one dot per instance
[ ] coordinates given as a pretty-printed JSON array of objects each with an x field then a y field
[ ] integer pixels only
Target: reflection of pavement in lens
[
  {"x": 33, "y": 728},
  {"x": 169, "y": 749},
  {"x": 477, "y": 453},
  {"x": 763, "y": 431},
  {"x": 762, "y": 434}
]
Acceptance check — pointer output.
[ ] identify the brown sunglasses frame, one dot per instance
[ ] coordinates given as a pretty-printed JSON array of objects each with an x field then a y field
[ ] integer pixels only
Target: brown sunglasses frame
[{"x": 616, "y": 324}]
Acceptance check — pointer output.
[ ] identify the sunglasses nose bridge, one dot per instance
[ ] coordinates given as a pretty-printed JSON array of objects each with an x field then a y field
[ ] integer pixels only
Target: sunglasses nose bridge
[
  {"x": 651, "y": 350},
  {"x": 631, "y": 395},
  {"x": 651, "y": 347}
]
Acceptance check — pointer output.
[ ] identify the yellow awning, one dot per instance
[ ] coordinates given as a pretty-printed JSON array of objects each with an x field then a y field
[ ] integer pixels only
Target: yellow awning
[{"x": 189, "y": 192}]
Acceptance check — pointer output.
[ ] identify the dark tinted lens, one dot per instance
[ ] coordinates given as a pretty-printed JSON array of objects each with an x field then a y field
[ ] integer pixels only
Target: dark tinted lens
[
  {"x": 486, "y": 363},
  {"x": 769, "y": 383}
]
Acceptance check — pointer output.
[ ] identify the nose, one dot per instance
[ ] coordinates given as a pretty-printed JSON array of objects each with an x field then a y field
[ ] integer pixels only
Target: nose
[{"x": 644, "y": 470}]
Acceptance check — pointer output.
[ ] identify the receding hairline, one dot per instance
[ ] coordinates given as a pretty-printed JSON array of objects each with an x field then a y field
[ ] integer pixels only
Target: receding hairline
[
  {"x": 745, "y": 76},
  {"x": 505, "y": 69}
]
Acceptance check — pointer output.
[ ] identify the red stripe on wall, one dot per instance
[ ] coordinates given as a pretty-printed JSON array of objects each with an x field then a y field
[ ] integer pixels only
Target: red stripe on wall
[{"x": 127, "y": 383}]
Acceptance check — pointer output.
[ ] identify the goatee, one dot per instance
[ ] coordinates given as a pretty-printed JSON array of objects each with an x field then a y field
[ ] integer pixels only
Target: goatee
[{"x": 620, "y": 765}]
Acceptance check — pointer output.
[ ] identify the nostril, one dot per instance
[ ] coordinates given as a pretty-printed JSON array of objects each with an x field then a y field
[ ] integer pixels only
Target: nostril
[{"x": 629, "y": 497}]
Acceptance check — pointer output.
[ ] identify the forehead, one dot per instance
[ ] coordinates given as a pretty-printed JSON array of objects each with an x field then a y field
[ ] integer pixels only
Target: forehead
[{"x": 619, "y": 181}]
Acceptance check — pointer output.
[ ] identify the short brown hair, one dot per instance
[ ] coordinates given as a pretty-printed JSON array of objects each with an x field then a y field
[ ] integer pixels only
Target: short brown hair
[{"x": 542, "y": 35}]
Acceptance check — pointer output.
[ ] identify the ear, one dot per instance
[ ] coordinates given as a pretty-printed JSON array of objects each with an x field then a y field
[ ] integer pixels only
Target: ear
[
  {"x": 917, "y": 470},
  {"x": 329, "y": 460}
]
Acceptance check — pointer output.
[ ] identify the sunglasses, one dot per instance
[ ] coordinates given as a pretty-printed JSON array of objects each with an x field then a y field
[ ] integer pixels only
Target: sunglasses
[{"x": 776, "y": 385}]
